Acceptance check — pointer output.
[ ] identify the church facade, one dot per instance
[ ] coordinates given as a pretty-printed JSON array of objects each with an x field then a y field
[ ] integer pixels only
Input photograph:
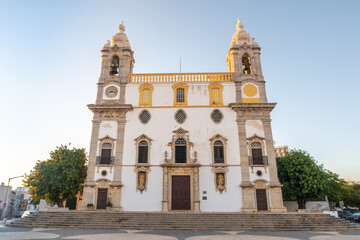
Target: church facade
[{"x": 182, "y": 141}]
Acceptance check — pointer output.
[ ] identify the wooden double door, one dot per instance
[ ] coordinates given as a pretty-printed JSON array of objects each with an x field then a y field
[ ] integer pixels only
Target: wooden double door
[{"x": 180, "y": 193}]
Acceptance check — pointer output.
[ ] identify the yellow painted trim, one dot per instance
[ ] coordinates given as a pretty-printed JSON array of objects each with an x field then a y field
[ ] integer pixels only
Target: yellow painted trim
[
  {"x": 223, "y": 106},
  {"x": 211, "y": 88},
  {"x": 185, "y": 87},
  {"x": 250, "y": 90},
  {"x": 251, "y": 100},
  {"x": 142, "y": 87}
]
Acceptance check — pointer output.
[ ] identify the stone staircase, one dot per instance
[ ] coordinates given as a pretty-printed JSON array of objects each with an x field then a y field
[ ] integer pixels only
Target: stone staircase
[{"x": 186, "y": 221}]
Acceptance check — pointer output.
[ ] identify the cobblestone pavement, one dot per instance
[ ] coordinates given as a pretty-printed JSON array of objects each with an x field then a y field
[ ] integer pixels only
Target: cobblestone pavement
[{"x": 9, "y": 233}]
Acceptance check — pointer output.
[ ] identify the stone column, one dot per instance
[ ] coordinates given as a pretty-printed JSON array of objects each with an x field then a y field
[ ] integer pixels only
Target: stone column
[
  {"x": 196, "y": 190},
  {"x": 100, "y": 90},
  {"x": 276, "y": 202},
  {"x": 165, "y": 201},
  {"x": 248, "y": 204}
]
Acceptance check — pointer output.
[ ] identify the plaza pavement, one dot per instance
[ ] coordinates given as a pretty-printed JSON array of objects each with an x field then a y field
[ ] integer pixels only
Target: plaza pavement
[{"x": 10, "y": 233}]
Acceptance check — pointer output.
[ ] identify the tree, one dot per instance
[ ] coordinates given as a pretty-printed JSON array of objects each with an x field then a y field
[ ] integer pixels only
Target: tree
[
  {"x": 303, "y": 179},
  {"x": 60, "y": 177},
  {"x": 351, "y": 195}
]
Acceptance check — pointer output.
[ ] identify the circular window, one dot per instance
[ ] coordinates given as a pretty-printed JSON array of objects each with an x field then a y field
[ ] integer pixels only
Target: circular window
[
  {"x": 216, "y": 116},
  {"x": 259, "y": 173},
  {"x": 180, "y": 116},
  {"x": 144, "y": 116},
  {"x": 103, "y": 173}
]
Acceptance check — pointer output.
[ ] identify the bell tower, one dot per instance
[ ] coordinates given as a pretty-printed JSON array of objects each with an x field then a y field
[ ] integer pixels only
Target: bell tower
[
  {"x": 252, "y": 108},
  {"x": 104, "y": 176}
]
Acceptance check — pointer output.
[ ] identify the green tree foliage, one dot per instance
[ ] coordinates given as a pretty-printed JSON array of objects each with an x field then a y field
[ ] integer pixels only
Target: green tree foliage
[
  {"x": 351, "y": 195},
  {"x": 60, "y": 177},
  {"x": 304, "y": 180}
]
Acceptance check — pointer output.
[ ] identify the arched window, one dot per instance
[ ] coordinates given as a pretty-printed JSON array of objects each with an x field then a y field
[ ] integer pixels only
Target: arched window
[
  {"x": 143, "y": 152},
  {"x": 215, "y": 94},
  {"x": 114, "y": 66},
  {"x": 256, "y": 153},
  {"x": 106, "y": 153},
  {"x": 180, "y": 95},
  {"x": 180, "y": 150},
  {"x": 145, "y": 90},
  {"x": 218, "y": 152},
  {"x": 246, "y": 64}
]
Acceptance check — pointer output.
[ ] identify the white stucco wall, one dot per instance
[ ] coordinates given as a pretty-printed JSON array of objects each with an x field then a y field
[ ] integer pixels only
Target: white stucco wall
[
  {"x": 107, "y": 128},
  {"x": 149, "y": 200},
  {"x": 109, "y": 175},
  {"x": 229, "y": 200}
]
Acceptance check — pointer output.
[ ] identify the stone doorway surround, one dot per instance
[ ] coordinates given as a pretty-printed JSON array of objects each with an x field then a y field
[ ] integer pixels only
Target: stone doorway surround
[{"x": 191, "y": 170}]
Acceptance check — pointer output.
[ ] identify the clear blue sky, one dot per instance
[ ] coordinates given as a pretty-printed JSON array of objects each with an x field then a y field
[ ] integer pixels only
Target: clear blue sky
[{"x": 50, "y": 63}]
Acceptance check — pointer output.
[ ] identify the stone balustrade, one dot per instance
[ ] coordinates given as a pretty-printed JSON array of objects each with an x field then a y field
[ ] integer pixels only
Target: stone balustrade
[{"x": 180, "y": 77}]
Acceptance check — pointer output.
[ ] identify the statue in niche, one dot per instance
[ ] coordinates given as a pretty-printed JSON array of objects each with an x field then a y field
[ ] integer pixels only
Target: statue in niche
[
  {"x": 141, "y": 181},
  {"x": 246, "y": 65},
  {"x": 220, "y": 182}
]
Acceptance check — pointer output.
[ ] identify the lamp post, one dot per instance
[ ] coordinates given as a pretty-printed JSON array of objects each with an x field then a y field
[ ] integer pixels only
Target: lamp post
[{"x": 7, "y": 190}]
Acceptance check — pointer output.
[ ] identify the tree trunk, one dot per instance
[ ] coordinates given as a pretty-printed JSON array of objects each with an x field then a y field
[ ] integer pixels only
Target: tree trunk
[
  {"x": 60, "y": 203},
  {"x": 302, "y": 203}
]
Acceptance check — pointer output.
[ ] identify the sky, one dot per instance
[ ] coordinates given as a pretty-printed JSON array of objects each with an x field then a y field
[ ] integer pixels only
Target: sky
[{"x": 50, "y": 64}]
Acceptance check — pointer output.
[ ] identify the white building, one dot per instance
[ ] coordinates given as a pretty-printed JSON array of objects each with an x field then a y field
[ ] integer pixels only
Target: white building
[{"x": 190, "y": 141}]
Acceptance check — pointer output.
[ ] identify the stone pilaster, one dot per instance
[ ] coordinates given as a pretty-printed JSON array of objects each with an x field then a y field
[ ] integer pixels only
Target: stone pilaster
[
  {"x": 165, "y": 200},
  {"x": 276, "y": 201},
  {"x": 92, "y": 152},
  {"x": 248, "y": 204},
  {"x": 196, "y": 190}
]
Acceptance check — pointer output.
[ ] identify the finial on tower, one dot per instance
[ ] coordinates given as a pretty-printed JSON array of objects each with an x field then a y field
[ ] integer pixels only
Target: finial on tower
[
  {"x": 239, "y": 25},
  {"x": 121, "y": 27}
]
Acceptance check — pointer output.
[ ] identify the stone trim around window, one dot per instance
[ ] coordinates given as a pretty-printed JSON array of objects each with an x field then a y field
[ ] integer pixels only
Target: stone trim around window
[
  {"x": 222, "y": 139},
  {"x": 181, "y": 133},
  {"x": 137, "y": 140},
  {"x": 212, "y": 87},
  {"x": 107, "y": 139},
  {"x": 185, "y": 87},
  {"x": 142, "y": 88}
]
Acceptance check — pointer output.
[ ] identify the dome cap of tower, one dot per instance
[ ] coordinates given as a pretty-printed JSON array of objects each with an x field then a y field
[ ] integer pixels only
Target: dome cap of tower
[
  {"x": 240, "y": 36},
  {"x": 120, "y": 38}
]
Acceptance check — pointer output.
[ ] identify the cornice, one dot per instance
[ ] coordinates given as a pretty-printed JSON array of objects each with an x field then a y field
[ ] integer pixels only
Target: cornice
[
  {"x": 252, "y": 106},
  {"x": 117, "y": 107}
]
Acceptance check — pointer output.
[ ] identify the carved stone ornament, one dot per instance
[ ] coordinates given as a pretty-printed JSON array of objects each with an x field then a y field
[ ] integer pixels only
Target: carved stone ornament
[
  {"x": 220, "y": 178},
  {"x": 141, "y": 178}
]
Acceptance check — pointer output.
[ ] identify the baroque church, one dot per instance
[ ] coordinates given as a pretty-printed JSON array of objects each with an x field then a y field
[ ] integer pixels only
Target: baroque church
[{"x": 182, "y": 141}]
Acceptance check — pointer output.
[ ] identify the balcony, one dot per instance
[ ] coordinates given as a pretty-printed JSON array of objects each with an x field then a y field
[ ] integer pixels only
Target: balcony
[
  {"x": 105, "y": 161},
  {"x": 261, "y": 161},
  {"x": 180, "y": 77}
]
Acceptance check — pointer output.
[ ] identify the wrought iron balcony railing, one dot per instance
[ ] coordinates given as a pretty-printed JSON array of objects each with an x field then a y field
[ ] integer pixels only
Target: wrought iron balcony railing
[
  {"x": 180, "y": 77},
  {"x": 105, "y": 161},
  {"x": 258, "y": 160}
]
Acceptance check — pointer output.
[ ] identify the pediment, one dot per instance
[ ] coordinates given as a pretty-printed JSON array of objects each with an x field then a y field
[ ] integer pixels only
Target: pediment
[
  {"x": 255, "y": 136},
  {"x": 218, "y": 136},
  {"x": 107, "y": 137},
  {"x": 180, "y": 131},
  {"x": 142, "y": 136}
]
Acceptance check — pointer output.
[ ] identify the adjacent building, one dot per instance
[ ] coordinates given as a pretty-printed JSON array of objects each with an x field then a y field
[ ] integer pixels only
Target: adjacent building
[
  {"x": 182, "y": 142},
  {"x": 281, "y": 151}
]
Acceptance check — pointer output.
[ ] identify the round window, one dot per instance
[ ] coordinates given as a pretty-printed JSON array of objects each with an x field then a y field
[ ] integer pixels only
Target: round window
[
  {"x": 144, "y": 116},
  {"x": 259, "y": 173},
  {"x": 180, "y": 116},
  {"x": 103, "y": 173},
  {"x": 216, "y": 116}
]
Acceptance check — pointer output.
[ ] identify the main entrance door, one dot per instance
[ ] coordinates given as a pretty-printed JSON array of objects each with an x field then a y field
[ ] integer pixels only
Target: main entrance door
[
  {"x": 261, "y": 199},
  {"x": 101, "y": 200},
  {"x": 180, "y": 195}
]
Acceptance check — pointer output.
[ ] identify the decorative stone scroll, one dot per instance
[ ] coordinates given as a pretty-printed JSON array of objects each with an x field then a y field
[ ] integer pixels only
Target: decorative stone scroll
[
  {"x": 141, "y": 178},
  {"x": 220, "y": 178}
]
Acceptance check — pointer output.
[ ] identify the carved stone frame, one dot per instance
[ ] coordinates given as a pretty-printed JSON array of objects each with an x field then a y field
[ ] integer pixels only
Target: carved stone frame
[
  {"x": 224, "y": 142},
  {"x": 138, "y": 170},
  {"x": 137, "y": 140},
  {"x": 211, "y": 87},
  {"x": 185, "y": 87},
  {"x": 106, "y": 139},
  {"x": 261, "y": 184},
  {"x": 142, "y": 87},
  {"x": 112, "y": 193},
  {"x": 261, "y": 140},
  {"x": 220, "y": 170},
  {"x": 181, "y": 133}
]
